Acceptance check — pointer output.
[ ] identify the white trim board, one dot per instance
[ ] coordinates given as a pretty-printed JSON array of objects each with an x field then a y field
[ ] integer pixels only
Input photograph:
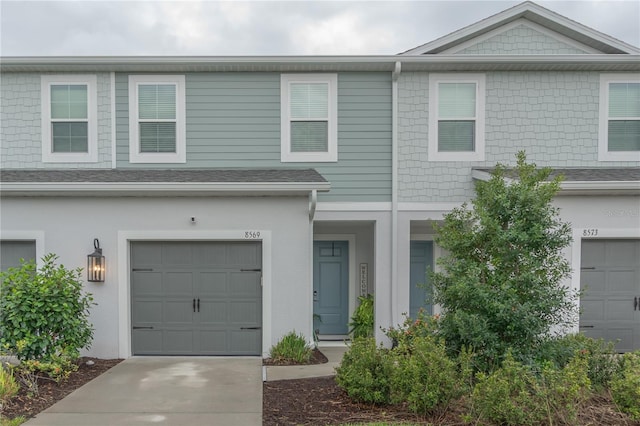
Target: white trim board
[{"x": 27, "y": 235}]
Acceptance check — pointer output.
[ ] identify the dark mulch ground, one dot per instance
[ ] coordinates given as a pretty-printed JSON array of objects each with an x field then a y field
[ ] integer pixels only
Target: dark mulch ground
[
  {"x": 50, "y": 392},
  {"x": 317, "y": 401}
]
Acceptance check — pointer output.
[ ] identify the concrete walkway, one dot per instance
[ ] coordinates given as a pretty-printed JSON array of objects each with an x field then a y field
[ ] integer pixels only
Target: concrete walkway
[
  {"x": 165, "y": 391},
  {"x": 333, "y": 353}
]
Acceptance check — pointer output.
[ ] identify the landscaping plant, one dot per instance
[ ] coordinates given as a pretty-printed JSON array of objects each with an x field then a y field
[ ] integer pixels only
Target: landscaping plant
[
  {"x": 501, "y": 281},
  {"x": 44, "y": 314},
  {"x": 625, "y": 386},
  {"x": 292, "y": 348},
  {"x": 362, "y": 319}
]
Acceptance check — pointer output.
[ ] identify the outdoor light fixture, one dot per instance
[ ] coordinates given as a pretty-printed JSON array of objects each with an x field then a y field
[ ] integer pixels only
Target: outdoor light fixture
[{"x": 95, "y": 264}]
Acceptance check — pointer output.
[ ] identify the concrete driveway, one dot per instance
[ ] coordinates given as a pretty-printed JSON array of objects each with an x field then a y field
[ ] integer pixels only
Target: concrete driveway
[{"x": 165, "y": 391}]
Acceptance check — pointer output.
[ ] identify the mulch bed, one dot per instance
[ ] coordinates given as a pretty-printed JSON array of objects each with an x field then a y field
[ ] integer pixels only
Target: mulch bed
[
  {"x": 315, "y": 401},
  {"x": 51, "y": 392}
]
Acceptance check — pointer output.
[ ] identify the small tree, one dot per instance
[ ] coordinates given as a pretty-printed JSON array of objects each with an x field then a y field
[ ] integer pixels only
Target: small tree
[
  {"x": 501, "y": 280},
  {"x": 44, "y": 313}
]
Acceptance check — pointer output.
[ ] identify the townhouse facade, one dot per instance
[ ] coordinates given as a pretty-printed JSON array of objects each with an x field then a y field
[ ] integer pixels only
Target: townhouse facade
[{"x": 238, "y": 199}]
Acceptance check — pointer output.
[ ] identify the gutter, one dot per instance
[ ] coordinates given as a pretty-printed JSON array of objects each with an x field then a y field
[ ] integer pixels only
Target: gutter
[
  {"x": 394, "y": 192},
  {"x": 159, "y": 188}
]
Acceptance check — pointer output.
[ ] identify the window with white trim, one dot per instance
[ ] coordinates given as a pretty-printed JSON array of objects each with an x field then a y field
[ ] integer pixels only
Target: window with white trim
[
  {"x": 157, "y": 131},
  {"x": 309, "y": 105},
  {"x": 456, "y": 117},
  {"x": 69, "y": 113},
  {"x": 619, "y": 138}
]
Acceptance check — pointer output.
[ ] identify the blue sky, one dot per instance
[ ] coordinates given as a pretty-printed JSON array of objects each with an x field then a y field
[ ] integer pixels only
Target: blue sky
[{"x": 219, "y": 28}]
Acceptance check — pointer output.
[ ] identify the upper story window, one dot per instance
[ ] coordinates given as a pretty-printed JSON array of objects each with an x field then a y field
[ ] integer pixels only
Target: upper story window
[
  {"x": 619, "y": 138},
  {"x": 456, "y": 117},
  {"x": 157, "y": 119},
  {"x": 309, "y": 129},
  {"x": 69, "y": 114}
]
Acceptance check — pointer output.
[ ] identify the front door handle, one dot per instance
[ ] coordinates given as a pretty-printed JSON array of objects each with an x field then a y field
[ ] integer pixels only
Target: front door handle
[
  {"x": 635, "y": 303},
  {"x": 194, "y": 305},
  {"x": 198, "y": 304}
]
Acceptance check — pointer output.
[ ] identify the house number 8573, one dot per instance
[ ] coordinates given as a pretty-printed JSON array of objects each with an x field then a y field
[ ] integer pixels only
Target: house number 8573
[
  {"x": 591, "y": 232},
  {"x": 251, "y": 235}
]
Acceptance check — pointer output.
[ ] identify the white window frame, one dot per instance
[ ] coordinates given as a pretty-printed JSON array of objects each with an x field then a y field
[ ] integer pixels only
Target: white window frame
[
  {"x": 478, "y": 154},
  {"x": 135, "y": 156},
  {"x": 603, "y": 140},
  {"x": 331, "y": 155},
  {"x": 91, "y": 81}
]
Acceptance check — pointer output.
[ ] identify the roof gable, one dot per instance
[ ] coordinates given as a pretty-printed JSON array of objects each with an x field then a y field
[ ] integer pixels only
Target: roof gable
[{"x": 558, "y": 35}]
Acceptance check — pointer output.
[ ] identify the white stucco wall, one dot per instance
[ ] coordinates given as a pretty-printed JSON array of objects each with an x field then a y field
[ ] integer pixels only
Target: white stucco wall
[{"x": 67, "y": 227}]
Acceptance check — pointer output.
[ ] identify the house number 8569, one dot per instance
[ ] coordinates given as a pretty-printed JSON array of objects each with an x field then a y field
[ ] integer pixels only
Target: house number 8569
[{"x": 251, "y": 235}]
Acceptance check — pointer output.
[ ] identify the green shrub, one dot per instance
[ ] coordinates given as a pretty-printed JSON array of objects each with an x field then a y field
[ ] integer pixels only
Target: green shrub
[
  {"x": 362, "y": 319},
  {"x": 625, "y": 386},
  {"x": 424, "y": 376},
  {"x": 403, "y": 335},
  {"x": 44, "y": 312},
  {"x": 601, "y": 357},
  {"x": 500, "y": 282},
  {"x": 365, "y": 372},
  {"x": 8, "y": 385},
  {"x": 514, "y": 394},
  {"x": 292, "y": 348}
]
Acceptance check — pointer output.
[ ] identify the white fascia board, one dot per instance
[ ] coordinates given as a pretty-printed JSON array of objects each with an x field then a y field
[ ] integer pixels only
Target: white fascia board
[
  {"x": 159, "y": 188},
  {"x": 580, "y": 187}
]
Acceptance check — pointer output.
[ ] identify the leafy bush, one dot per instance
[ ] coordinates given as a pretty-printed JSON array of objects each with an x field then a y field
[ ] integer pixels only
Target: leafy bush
[
  {"x": 625, "y": 386},
  {"x": 425, "y": 377},
  {"x": 601, "y": 357},
  {"x": 44, "y": 313},
  {"x": 365, "y": 372},
  {"x": 423, "y": 326},
  {"x": 362, "y": 319},
  {"x": 514, "y": 394},
  {"x": 291, "y": 348},
  {"x": 501, "y": 280}
]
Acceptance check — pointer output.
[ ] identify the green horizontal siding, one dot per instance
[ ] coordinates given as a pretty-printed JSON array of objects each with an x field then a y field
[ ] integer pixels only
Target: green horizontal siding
[{"x": 233, "y": 120}]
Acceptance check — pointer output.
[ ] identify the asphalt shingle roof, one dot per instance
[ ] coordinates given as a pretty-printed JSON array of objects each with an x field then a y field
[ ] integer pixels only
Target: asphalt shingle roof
[
  {"x": 163, "y": 176},
  {"x": 595, "y": 174}
]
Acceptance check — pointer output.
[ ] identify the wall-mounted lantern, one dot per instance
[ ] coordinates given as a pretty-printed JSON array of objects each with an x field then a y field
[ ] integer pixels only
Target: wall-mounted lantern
[{"x": 96, "y": 264}]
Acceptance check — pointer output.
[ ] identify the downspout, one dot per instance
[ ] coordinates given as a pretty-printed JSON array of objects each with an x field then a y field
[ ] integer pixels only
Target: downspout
[
  {"x": 114, "y": 160},
  {"x": 394, "y": 192},
  {"x": 313, "y": 202}
]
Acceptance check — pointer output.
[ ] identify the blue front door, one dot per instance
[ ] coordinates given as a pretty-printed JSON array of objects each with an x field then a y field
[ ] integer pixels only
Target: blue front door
[
  {"x": 421, "y": 259},
  {"x": 331, "y": 287}
]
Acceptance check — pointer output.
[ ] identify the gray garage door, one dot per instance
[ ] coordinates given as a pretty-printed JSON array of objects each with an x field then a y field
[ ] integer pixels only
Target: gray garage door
[
  {"x": 610, "y": 280},
  {"x": 12, "y": 251},
  {"x": 196, "y": 298}
]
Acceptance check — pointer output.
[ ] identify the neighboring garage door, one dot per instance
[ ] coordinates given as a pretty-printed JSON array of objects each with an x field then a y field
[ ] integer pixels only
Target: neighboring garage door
[
  {"x": 12, "y": 251},
  {"x": 610, "y": 281},
  {"x": 196, "y": 298}
]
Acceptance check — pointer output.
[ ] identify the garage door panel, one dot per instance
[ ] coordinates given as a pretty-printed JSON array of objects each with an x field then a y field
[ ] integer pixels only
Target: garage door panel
[
  {"x": 593, "y": 253},
  {"x": 179, "y": 341},
  {"x": 177, "y": 254},
  {"x": 212, "y": 284},
  {"x": 244, "y": 284},
  {"x": 622, "y": 253},
  {"x": 246, "y": 341},
  {"x": 147, "y": 342},
  {"x": 244, "y": 254},
  {"x": 146, "y": 284},
  {"x": 211, "y": 255},
  {"x": 213, "y": 342},
  {"x": 593, "y": 281},
  {"x": 177, "y": 312},
  {"x": 212, "y": 312},
  {"x": 147, "y": 312},
  {"x": 146, "y": 254},
  {"x": 241, "y": 312},
  {"x": 592, "y": 310},
  {"x": 619, "y": 310},
  {"x": 622, "y": 281},
  {"x": 12, "y": 251},
  {"x": 178, "y": 283}
]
